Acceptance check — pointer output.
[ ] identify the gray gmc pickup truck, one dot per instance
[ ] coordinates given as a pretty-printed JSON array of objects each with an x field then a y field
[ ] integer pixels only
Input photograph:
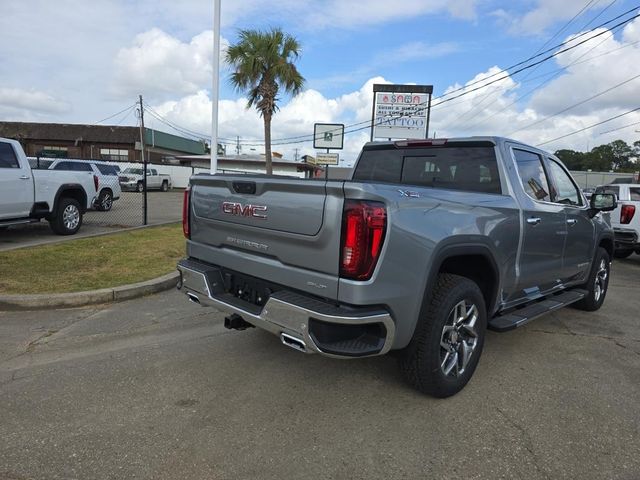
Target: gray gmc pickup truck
[{"x": 429, "y": 243}]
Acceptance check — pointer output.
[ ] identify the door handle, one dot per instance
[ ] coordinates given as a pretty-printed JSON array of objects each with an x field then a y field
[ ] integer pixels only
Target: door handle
[
  {"x": 572, "y": 221},
  {"x": 24, "y": 177},
  {"x": 533, "y": 220}
]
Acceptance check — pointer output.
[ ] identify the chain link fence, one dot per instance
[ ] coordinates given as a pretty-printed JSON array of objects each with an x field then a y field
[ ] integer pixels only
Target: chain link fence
[{"x": 122, "y": 201}]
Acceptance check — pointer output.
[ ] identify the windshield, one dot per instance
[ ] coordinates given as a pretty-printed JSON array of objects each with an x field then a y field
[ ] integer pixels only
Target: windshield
[{"x": 133, "y": 171}]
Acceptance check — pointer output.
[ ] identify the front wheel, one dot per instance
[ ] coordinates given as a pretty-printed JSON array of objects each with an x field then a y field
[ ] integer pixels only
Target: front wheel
[
  {"x": 140, "y": 187},
  {"x": 448, "y": 340},
  {"x": 165, "y": 186},
  {"x": 68, "y": 217},
  {"x": 597, "y": 283}
]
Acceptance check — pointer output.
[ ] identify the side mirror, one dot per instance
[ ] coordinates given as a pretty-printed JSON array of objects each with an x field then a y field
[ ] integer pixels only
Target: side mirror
[{"x": 603, "y": 202}]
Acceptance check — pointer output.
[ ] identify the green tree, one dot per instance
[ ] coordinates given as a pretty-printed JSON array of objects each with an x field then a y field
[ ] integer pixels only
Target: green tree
[
  {"x": 572, "y": 159},
  {"x": 621, "y": 152},
  {"x": 263, "y": 64}
]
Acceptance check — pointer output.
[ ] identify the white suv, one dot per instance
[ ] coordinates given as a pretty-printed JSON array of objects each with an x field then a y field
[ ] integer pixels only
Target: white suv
[{"x": 108, "y": 185}]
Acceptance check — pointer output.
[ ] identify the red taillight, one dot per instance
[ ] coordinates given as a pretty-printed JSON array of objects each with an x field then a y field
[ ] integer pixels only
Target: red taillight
[
  {"x": 626, "y": 213},
  {"x": 363, "y": 228},
  {"x": 185, "y": 213},
  {"x": 95, "y": 182}
]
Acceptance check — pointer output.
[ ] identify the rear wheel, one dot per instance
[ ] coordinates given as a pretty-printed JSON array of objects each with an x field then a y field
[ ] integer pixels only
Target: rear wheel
[
  {"x": 105, "y": 201},
  {"x": 449, "y": 337},
  {"x": 68, "y": 217},
  {"x": 140, "y": 187},
  {"x": 597, "y": 283}
]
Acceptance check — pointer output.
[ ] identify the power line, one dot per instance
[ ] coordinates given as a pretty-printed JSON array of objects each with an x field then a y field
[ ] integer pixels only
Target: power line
[
  {"x": 575, "y": 105},
  {"x": 493, "y": 93},
  {"x": 115, "y": 114},
  {"x": 367, "y": 123},
  {"x": 556, "y": 73},
  {"x": 587, "y": 128},
  {"x": 620, "y": 128}
]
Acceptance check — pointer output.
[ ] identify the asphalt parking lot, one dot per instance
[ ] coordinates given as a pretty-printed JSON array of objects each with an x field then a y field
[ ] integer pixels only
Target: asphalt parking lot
[
  {"x": 127, "y": 212},
  {"x": 156, "y": 388}
]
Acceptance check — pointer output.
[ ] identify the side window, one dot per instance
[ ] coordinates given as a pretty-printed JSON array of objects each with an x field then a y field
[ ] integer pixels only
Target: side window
[
  {"x": 635, "y": 194},
  {"x": 63, "y": 166},
  {"x": 534, "y": 179},
  {"x": 154, "y": 172},
  {"x": 566, "y": 193},
  {"x": 8, "y": 156}
]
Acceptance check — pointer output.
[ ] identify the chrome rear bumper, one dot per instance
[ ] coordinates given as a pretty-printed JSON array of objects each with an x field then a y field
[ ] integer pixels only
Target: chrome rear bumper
[{"x": 286, "y": 314}]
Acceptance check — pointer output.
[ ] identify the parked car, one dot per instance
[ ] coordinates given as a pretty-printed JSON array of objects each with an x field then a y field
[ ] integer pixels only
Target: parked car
[
  {"x": 108, "y": 185},
  {"x": 625, "y": 219},
  {"x": 426, "y": 245},
  {"x": 132, "y": 179},
  {"x": 28, "y": 195}
]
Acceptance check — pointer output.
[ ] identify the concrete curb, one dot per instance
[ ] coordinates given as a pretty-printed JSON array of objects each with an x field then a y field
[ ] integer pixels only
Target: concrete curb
[{"x": 79, "y": 299}]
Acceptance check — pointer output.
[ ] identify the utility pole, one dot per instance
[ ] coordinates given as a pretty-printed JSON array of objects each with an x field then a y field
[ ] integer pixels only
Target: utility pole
[
  {"x": 144, "y": 163},
  {"x": 295, "y": 155},
  {"x": 238, "y": 145}
]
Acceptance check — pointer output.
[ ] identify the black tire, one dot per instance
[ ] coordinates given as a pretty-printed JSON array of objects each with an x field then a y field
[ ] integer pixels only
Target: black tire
[
  {"x": 622, "y": 253},
  {"x": 425, "y": 359},
  {"x": 68, "y": 217},
  {"x": 105, "y": 201},
  {"x": 598, "y": 282},
  {"x": 165, "y": 186},
  {"x": 140, "y": 187}
]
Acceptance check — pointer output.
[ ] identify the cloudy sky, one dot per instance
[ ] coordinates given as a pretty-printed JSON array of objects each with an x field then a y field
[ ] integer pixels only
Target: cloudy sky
[{"x": 76, "y": 61}]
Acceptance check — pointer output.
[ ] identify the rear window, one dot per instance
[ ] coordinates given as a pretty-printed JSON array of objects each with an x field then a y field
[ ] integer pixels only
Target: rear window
[
  {"x": 106, "y": 169},
  {"x": 472, "y": 168}
]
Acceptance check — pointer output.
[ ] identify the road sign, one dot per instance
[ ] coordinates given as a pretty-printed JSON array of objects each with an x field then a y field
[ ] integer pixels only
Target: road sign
[
  {"x": 327, "y": 158},
  {"x": 328, "y": 135}
]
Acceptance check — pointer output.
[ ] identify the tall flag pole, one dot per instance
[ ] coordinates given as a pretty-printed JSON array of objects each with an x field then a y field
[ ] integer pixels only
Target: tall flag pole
[{"x": 215, "y": 86}]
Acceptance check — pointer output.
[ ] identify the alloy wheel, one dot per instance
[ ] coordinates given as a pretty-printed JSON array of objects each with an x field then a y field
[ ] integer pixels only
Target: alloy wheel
[
  {"x": 600, "y": 284},
  {"x": 70, "y": 217},
  {"x": 459, "y": 339}
]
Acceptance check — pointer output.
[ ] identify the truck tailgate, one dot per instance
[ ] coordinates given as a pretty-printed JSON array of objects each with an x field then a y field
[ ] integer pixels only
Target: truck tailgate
[{"x": 283, "y": 229}]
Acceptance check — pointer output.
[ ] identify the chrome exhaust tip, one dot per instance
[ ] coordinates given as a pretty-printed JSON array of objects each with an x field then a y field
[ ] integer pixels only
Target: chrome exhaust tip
[
  {"x": 293, "y": 342},
  {"x": 193, "y": 298}
]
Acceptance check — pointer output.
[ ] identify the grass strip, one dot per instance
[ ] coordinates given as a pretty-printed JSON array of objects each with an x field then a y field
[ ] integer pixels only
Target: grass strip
[{"x": 92, "y": 263}]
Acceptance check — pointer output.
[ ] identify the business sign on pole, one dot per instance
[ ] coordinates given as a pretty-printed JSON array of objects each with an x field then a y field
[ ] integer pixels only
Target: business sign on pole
[
  {"x": 327, "y": 158},
  {"x": 401, "y": 111},
  {"x": 328, "y": 135}
]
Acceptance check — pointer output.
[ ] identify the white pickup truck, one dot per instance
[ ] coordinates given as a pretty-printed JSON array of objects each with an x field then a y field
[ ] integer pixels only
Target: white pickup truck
[
  {"x": 28, "y": 195},
  {"x": 133, "y": 179},
  {"x": 625, "y": 219}
]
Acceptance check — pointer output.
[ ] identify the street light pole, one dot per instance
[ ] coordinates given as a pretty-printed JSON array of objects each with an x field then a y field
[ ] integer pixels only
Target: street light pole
[{"x": 215, "y": 86}]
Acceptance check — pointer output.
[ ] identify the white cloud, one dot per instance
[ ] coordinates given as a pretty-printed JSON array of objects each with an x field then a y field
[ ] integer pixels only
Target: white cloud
[
  {"x": 545, "y": 14},
  {"x": 32, "y": 100},
  {"x": 352, "y": 13},
  {"x": 159, "y": 64}
]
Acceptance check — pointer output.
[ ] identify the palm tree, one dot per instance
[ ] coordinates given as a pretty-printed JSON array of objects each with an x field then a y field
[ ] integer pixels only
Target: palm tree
[{"x": 262, "y": 64}]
